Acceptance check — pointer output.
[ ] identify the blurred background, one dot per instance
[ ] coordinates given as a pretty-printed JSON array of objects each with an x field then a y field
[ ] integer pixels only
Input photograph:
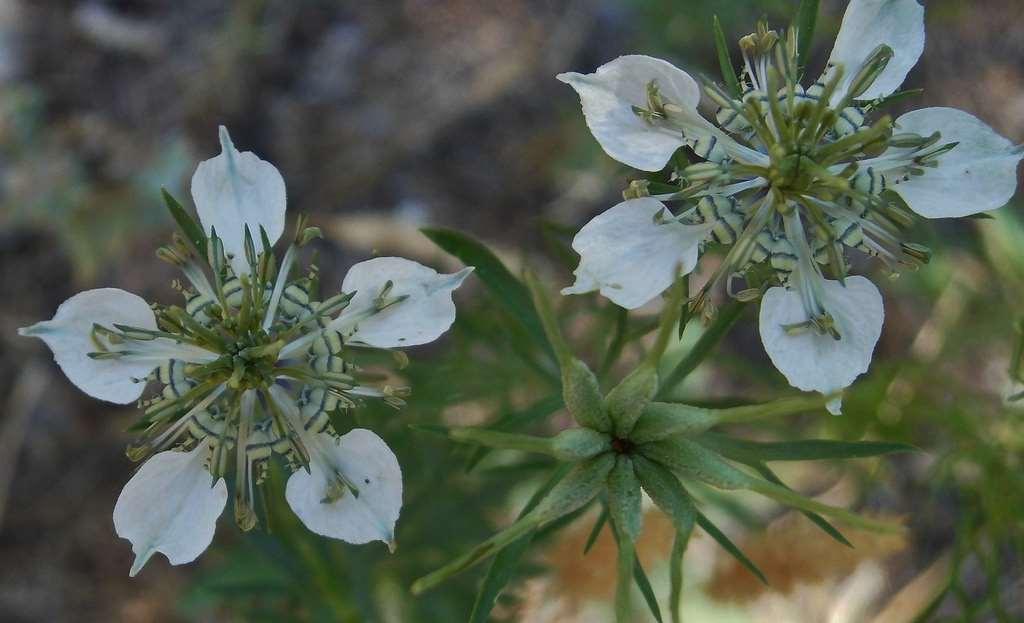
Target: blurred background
[{"x": 384, "y": 117}]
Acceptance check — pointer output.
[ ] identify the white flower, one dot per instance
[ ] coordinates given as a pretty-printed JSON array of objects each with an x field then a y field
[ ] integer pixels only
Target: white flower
[
  {"x": 252, "y": 366},
  {"x": 790, "y": 176}
]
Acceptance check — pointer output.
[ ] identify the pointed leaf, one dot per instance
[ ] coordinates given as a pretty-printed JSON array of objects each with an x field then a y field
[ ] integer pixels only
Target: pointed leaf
[
  {"x": 806, "y": 20},
  {"x": 506, "y": 289},
  {"x": 725, "y": 61},
  {"x": 193, "y": 232},
  {"x": 505, "y": 562},
  {"x": 804, "y": 450},
  {"x": 727, "y": 316},
  {"x": 729, "y": 546},
  {"x": 817, "y": 519},
  {"x": 675, "y": 568},
  {"x": 595, "y": 532},
  {"x": 645, "y": 588}
]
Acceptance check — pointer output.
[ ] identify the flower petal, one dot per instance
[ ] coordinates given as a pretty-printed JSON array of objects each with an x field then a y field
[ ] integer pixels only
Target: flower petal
[
  {"x": 69, "y": 336},
  {"x": 364, "y": 460},
  {"x": 867, "y": 24},
  {"x": 815, "y": 362},
  {"x": 169, "y": 506},
  {"x": 235, "y": 189},
  {"x": 979, "y": 174},
  {"x": 629, "y": 256},
  {"x": 423, "y": 316},
  {"x": 608, "y": 96}
]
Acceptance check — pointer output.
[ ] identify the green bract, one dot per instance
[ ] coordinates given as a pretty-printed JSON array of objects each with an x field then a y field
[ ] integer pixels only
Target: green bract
[{"x": 626, "y": 442}]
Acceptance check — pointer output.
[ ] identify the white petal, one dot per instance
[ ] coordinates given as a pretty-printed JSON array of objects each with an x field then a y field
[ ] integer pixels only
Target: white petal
[
  {"x": 814, "y": 362},
  {"x": 235, "y": 189},
  {"x": 867, "y": 24},
  {"x": 426, "y": 313},
  {"x": 69, "y": 336},
  {"x": 629, "y": 257},
  {"x": 608, "y": 96},
  {"x": 169, "y": 506},
  {"x": 365, "y": 461},
  {"x": 979, "y": 174}
]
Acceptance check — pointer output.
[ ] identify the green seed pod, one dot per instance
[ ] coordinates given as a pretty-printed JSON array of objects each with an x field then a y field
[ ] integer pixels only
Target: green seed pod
[{"x": 692, "y": 460}]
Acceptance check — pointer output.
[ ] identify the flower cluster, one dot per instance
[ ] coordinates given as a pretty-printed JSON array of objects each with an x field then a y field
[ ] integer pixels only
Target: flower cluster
[
  {"x": 791, "y": 178},
  {"x": 254, "y": 364}
]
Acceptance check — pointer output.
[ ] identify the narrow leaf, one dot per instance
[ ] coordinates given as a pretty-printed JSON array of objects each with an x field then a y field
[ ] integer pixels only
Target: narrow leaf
[
  {"x": 505, "y": 562},
  {"x": 729, "y": 546},
  {"x": 645, "y": 588},
  {"x": 517, "y": 421},
  {"x": 806, "y": 20},
  {"x": 595, "y": 532},
  {"x": 675, "y": 569},
  {"x": 804, "y": 450},
  {"x": 727, "y": 316},
  {"x": 817, "y": 519},
  {"x": 192, "y": 230},
  {"x": 507, "y": 290},
  {"x": 725, "y": 61}
]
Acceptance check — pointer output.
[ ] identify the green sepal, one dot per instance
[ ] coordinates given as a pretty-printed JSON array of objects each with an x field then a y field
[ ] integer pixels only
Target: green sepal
[
  {"x": 624, "y": 499},
  {"x": 192, "y": 230},
  {"x": 692, "y": 460},
  {"x": 626, "y": 401},
  {"x": 579, "y": 487},
  {"x": 574, "y": 444},
  {"x": 661, "y": 420},
  {"x": 595, "y": 531},
  {"x": 582, "y": 395}
]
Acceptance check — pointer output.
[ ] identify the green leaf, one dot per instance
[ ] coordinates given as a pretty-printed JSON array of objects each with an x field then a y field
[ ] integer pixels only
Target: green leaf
[
  {"x": 515, "y": 421},
  {"x": 675, "y": 569},
  {"x": 729, "y": 546},
  {"x": 806, "y": 19},
  {"x": 645, "y": 588},
  {"x": 505, "y": 562},
  {"x": 192, "y": 230},
  {"x": 727, "y": 316},
  {"x": 725, "y": 61},
  {"x": 508, "y": 290},
  {"x": 817, "y": 519},
  {"x": 595, "y": 532},
  {"x": 804, "y": 450}
]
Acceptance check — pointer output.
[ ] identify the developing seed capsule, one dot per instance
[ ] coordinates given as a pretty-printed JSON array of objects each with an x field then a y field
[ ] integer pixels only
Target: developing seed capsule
[
  {"x": 325, "y": 353},
  {"x": 782, "y": 256},
  {"x": 709, "y": 148},
  {"x": 762, "y": 247},
  {"x": 722, "y": 211},
  {"x": 731, "y": 120},
  {"x": 849, "y": 121},
  {"x": 869, "y": 181}
]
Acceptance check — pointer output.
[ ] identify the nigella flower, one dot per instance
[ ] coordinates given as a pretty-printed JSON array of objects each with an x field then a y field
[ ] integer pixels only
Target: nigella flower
[
  {"x": 255, "y": 364},
  {"x": 791, "y": 177}
]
